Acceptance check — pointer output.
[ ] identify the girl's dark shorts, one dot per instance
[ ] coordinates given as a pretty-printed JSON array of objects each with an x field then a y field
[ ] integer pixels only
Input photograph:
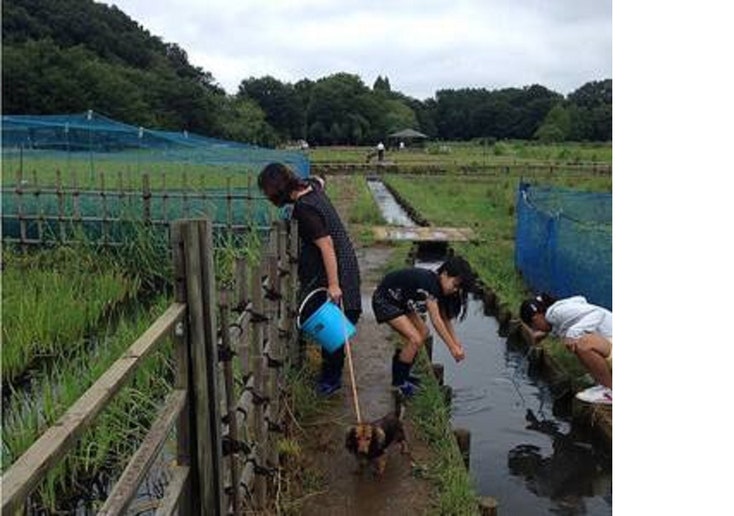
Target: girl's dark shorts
[{"x": 385, "y": 307}]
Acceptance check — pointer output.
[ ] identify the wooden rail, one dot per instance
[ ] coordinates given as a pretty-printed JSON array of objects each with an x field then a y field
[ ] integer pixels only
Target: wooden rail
[
  {"x": 231, "y": 348},
  {"x": 25, "y": 474}
]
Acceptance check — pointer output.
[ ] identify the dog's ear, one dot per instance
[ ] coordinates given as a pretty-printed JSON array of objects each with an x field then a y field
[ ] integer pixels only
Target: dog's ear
[
  {"x": 351, "y": 441},
  {"x": 378, "y": 439}
]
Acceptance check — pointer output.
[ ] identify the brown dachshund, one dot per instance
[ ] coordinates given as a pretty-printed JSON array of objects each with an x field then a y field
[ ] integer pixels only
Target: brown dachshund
[{"x": 369, "y": 441}]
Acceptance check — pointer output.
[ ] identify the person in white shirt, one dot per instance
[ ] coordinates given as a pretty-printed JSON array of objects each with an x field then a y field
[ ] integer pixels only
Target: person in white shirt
[
  {"x": 380, "y": 151},
  {"x": 586, "y": 330}
]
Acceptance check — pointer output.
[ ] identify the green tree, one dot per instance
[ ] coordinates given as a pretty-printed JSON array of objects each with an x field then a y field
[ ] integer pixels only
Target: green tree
[
  {"x": 556, "y": 125},
  {"x": 243, "y": 120},
  {"x": 590, "y": 107},
  {"x": 282, "y": 104},
  {"x": 334, "y": 102},
  {"x": 381, "y": 84}
]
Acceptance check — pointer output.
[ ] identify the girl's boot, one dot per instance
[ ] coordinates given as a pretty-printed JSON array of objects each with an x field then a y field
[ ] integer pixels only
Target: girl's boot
[{"x": 400, "y": 373}]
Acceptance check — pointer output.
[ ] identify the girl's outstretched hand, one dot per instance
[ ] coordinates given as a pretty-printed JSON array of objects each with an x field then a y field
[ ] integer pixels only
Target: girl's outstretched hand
[{"x": 458, "y": 353}]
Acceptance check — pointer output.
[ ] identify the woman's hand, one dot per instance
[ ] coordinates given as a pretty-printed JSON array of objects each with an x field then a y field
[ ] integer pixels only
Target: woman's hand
[{"x": 335, "y": 293}]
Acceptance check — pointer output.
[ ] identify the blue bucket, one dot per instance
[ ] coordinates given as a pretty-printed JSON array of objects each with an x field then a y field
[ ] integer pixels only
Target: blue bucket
[{"x": 327, "y": 326}]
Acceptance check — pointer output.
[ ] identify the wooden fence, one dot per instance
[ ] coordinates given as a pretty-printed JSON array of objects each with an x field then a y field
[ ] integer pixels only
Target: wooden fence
[
  {"x": 46, "y": 213},
  {"x": 474, "y": 169},
  {"x": 230, "y": 349}
]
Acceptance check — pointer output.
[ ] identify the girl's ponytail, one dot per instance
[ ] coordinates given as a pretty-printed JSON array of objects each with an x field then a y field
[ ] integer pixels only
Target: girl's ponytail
[{"x": 456, "y": 305}]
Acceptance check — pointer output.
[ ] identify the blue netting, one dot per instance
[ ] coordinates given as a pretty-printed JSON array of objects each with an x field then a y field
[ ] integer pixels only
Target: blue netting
[
  {"x": 91, "y": 168},
  {"x": 107, "y": 139},
  {"x": 563, "y": 242}
]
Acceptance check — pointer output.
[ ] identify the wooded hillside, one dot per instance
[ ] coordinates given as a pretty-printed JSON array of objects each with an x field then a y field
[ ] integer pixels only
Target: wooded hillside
[{"x": 68, "y": 56}]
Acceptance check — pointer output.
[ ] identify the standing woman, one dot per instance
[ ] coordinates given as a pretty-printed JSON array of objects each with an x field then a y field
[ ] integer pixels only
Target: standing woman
[{"x": 327, "y": 258}]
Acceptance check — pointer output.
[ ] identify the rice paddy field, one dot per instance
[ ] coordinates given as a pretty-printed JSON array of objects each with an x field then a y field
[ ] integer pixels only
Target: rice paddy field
[{"x": 69, "y": 312}]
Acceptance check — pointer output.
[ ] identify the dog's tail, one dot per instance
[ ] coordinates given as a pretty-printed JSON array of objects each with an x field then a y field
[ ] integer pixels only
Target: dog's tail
[{"x": 399, "y": 404}]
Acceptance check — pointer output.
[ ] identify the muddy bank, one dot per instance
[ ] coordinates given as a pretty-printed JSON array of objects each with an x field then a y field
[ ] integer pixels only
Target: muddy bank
[{"x": 344, "y": 491}]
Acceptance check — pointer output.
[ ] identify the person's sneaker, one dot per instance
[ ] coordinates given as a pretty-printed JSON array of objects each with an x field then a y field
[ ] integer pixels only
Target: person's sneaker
[
  {"x": 407, "y": 389},
  {"x": 596, "y": 394},
  {"x": 327, "y": 388}
]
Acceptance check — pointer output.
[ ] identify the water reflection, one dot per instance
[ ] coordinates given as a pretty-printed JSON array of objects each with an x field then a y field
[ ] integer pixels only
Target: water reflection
[
  {"x": 574, "y": 471},
  {"x": 525, "y": 452}
]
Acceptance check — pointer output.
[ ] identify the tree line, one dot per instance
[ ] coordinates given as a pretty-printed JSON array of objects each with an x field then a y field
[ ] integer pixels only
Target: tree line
[{"x": 68, "y": 56}]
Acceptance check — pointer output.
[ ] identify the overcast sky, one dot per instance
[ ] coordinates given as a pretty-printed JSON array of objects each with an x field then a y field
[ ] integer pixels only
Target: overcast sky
[{"x": 420, "y": 45}]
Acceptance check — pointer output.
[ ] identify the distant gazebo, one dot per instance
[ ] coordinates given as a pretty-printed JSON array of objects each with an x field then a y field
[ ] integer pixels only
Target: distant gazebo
[{"x": 409, "y": 136}]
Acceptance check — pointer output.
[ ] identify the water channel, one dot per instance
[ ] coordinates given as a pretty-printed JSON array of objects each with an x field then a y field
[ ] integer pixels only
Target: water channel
[{"x": 525, "y": 452}]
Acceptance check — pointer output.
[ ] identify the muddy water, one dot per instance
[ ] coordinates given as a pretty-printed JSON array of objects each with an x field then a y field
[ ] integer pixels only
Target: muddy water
[{"x": 524, "y": 450}]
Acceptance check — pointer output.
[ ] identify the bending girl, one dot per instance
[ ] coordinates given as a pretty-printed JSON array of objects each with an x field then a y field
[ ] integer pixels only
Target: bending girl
[
  {"x": 405, "y": 294},
  {"x": 586, "y": 331}
]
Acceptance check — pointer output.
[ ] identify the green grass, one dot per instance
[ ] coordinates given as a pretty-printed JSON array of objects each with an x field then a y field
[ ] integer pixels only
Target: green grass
[{"x": 432, "y": 416}]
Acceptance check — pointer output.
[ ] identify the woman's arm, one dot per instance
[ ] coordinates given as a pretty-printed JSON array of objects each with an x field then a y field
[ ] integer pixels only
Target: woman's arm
[
  {"x": 328, "y": 255},
  {"x": 445, "y": 330}
]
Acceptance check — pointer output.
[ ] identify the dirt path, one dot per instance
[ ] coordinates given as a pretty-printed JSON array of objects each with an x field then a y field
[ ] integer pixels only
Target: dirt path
[{"x": 345, "y": 492}]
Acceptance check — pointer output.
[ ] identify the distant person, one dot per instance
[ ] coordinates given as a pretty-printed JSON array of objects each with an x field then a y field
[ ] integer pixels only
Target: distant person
[
  {"x": 326, "y": 259},
  {"x": 380, "y": 151},
  {"x": 586, "y": 331},
  {"x": 401, "y": 145},
  {"x": 403, "y": 295}
]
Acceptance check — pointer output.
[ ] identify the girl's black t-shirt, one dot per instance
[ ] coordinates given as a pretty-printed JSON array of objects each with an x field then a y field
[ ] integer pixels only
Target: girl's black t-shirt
[{"x": 411, "y": 288}]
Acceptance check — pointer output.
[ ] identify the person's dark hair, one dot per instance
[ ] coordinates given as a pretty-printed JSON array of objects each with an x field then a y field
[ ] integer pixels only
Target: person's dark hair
[
  {"x": 280, "y": 180},
  {"x": 455, "y": 305},
  {"x": 537, "y": 304}
]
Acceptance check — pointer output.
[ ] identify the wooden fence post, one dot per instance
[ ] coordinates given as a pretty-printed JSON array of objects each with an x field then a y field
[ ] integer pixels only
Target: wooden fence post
[
  {"x": 199, "y": 265},
  {"x": 146, "y": 199},
  {"x": 258, "y": 384},
  {"x": 39, "y": 210},
  {"x": 227, "y": 354},
  {"x": 189, "y": 502},
  {"x": 297, "y": 349},
  {"x": 105, "y": 213},
  {"x": 273, "y": 353},
  {"x": 61, "y": 236},
  {"x": 21, "y": 220}
]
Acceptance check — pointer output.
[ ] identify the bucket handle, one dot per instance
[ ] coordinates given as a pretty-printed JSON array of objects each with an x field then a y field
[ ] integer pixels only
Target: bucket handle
[{"x": 303, "y": 303}]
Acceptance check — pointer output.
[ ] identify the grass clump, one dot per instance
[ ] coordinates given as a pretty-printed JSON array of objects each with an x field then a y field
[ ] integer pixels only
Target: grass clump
[{"x": 432, "y": 417}]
